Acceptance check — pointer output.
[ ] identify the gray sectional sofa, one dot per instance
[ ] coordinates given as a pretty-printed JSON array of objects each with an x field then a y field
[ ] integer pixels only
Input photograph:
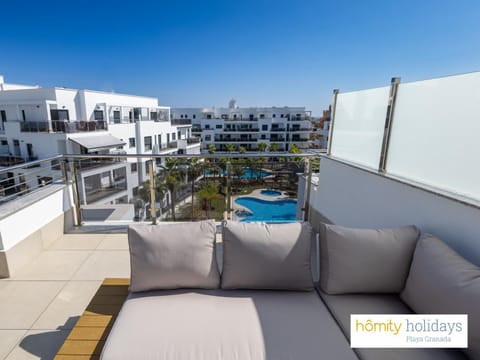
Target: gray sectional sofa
[{"x": 265, "y": 304}]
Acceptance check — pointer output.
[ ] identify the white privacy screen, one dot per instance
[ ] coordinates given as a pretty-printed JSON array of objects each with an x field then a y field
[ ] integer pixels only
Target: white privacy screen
[
  {"x": 359, "y": 126},
  {"x": 435, "y": 136}
]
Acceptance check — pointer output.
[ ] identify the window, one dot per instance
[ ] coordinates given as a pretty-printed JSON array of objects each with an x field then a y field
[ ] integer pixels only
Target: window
[
  {"x": 208, "y": 137},
  {"x": 274, "y": 115},
  {"x": 264, "y": 127},
  {"x": 135, "y": 190},
  {"x": 131, "y": 142},
  {"x": 250, "y": 116},
  {"x": 174, "y": 137},
  {"x": 181, "y": 116},
  {"x": 178, "y": 134},
  {"x": 3, "y": 115},
  {"x": 160, "y": 140},
  {"x": 148, "y": 143},
  {"x": 154, "y": 115},
  {"x": 98, "y": 115},
  {"x": 4, "y": 142},
  {"x": 218, "y": 126},
  {"x": 281, "y": 115},
  {"x": 56, "y": 114},
  {"x": 116, "y": 116},
  {"x": 207, "y": 126},
  {"x": 263, "y": 137},
  {"x": 133, "y": 168},
  {"x": 262, "y": 116},
  {"x": 209, "y": 116},
  {"x": 194, "y": 116},
  {"x": 23, "y": 115}
]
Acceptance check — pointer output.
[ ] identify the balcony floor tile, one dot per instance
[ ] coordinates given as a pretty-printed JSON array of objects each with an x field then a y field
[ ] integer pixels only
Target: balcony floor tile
[
  {"x": 39, "y": 344},
  {"x": 105, "y": 263},
  {"x": 8, "y": 340},
  {"x": 66, "y": 308},
  {"x": 53, "y": 265},
  {"x": 22, "y": 302}
]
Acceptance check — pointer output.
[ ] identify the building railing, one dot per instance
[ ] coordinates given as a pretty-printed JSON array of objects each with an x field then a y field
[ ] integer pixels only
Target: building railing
[
  {"x": 213, "y": 181},
  {"x": 62, "y": 126},
  {"x": 194, "y": 140},
  {"x": 181, "y": 122}
]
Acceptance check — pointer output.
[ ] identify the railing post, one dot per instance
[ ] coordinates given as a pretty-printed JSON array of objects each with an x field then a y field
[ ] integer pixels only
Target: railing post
[
  {"x": 76, "y": 194},
  {"x": 63, "y": 168},
  {"x": 388, "y": 124},
  {"x": 308, "y": 185},
  {"x": 332, "y": 120},
  {"x": 153, "y": 212},
  {"x": 228, "y": 193}
]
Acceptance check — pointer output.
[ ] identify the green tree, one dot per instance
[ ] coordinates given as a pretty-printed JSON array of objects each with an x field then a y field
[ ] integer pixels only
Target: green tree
[
  {"x": 194, "y": 170},
  {"x": 230, "y": 148},
  {"x": 294, "y": 149},
  {"x": 242, "y": 149},
  {"x": 172, "y": 178},
  {"x": 262, "y": 147},
  {"x": 208, "y": 192},
  {"x": 211, "y": 149},
  {"x": 273, "y": 147}
]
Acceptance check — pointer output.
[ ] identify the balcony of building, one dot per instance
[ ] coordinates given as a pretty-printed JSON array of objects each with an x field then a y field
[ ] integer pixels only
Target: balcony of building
[
  {"x": 63, "y": 126},
  {"x": 180, "y": 122},
  {"x": 373, "y": 176}
]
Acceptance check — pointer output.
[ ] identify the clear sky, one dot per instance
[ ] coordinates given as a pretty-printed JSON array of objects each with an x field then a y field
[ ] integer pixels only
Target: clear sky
[{"x": 262, "y": 53}]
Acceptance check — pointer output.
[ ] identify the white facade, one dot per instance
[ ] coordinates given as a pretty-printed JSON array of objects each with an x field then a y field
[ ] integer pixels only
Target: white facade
[
  {"x": 38, "y": 123},
  {"x": 247, "y": 127}
]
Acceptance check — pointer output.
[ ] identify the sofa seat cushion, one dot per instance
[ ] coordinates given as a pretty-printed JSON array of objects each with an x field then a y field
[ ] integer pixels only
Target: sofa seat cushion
[
  {"x": 215, "y": 324},
  {"x": 341, "y": 306}
]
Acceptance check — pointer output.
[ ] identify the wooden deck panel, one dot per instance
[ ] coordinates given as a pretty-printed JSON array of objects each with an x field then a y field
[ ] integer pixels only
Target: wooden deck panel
[{"x": 87, "y": 338}]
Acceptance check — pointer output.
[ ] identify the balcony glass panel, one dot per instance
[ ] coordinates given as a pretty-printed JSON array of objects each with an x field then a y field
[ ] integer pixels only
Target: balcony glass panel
[{"x": 359, "y": 125}]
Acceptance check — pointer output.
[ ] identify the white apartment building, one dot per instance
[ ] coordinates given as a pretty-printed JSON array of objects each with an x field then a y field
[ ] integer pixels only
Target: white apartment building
[
  {"x": 247, "y": 127},
  {"x": 38, "y": 123}
]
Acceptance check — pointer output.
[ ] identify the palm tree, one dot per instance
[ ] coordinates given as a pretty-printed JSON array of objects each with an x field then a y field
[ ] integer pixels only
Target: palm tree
[
  {"x": 262, "y": 147},
  {"x": 172, "y": 178},
  {"x": 194, "y": 170},
  {"x": 273, "y": 147},
  {"x": 230, "y": 148},
  {"x": 242, "y": 150},
  {"x": 211, "y": 149},
  {"x": 206, "y": 194}
]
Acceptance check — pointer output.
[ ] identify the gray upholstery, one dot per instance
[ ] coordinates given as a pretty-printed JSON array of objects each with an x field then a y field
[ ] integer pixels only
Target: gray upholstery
[
  {"x": 364, "y": 260},
  {"x": 342, "y": 306},
  {"x": 267, "y": 256},
  {"x": 226, "y": 325},
  {"x": 171, "y": 256},
  {"x": 441, "y": 281}
]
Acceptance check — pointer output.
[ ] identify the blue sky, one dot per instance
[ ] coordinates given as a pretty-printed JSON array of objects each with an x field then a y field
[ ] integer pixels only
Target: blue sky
[{"x": 263, "y": 53}]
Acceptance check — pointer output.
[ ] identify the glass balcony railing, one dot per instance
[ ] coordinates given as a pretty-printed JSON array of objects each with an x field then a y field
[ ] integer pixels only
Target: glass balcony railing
[
  {"x": 122, "y": 188},
  {"x": 62, "y": 126}
]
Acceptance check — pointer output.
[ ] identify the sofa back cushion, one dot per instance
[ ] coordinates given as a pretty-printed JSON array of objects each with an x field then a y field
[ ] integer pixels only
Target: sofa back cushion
[
  {"x": 172, "y": 256},
  {"x": 365, "y": 261},
  {"x": 442, "y": 282},
  {"x": 267, "y": 256}
]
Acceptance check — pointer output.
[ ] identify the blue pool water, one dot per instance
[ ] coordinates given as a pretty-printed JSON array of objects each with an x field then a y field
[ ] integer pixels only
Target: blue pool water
[
  {"x": 268, "y": 211},
  {"x": 270, "y": 193},
  {"x": 248, "y": 173}
]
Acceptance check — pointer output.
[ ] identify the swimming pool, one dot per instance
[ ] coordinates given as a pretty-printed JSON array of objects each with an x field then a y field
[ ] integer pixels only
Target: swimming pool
[
  {"x": 267, "y": 211},
  {"x": 248, "y": 173},
  {"x": 270, "y": 193}
]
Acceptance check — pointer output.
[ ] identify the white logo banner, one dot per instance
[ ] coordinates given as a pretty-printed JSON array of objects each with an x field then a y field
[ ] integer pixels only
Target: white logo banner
[{"x": 408, "y": 331}]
